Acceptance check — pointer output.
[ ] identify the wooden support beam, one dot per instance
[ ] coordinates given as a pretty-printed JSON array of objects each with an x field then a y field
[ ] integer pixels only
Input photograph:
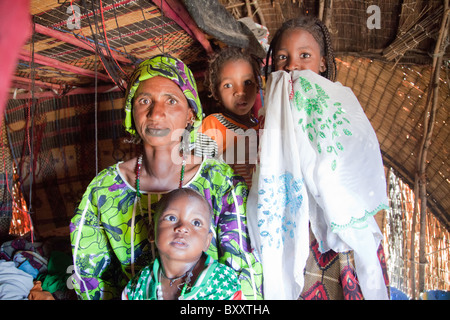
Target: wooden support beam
[
  {"x": 19, "y": 85},
  {"x": 321, "y": 9},
  {"x": 328, "y": 14},
  {"x": 76, "y": 42},
  {"x": 26, "y": 56},
  {"x": 178, "y": 13},
  {"x": 429, "y": 121},
  {"x": 37, "y": 83},
  {"x": 52, "y": 94},
  {"x": 258, "y": 11}
]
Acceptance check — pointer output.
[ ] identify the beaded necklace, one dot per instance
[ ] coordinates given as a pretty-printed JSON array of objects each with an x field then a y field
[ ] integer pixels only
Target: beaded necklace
[
  {"x": 138, "y": 174},
  {"x": 185, "y": 284},
  {"x": 172, "y": 280}
]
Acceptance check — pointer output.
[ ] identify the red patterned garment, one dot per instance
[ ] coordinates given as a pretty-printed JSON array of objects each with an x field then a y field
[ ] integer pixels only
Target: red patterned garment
[{"x": 332, "y": 275}]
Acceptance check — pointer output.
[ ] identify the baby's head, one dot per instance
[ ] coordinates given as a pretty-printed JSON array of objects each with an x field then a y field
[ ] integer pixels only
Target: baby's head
[
  {"x": 233, "y": 78},
  {"x": 317, "y": 36},
  {"x": 182, "y": 225}
]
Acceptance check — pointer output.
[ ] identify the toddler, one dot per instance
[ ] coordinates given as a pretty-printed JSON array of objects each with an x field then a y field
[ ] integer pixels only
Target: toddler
[{"x": 183, "y": 270}]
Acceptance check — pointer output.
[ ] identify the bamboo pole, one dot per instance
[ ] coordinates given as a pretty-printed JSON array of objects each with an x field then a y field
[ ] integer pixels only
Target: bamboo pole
[{"x": 429, "y": 120}]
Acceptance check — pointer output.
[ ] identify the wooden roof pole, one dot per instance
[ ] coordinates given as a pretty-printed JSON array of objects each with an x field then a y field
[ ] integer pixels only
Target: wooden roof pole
[
  {"x": 325, "y": 12},
  {"x": 26, "y": 56},
  {"x": 76, "y": 42},
  {"x": 37, "y": 83},
  {"x": 321, "y": 9},
  {"x": 255, "y": 3},
  {"x": 429, "y": 120},
  {"x": 178, "y": 13},
  {"x": 51, "y": 94}
]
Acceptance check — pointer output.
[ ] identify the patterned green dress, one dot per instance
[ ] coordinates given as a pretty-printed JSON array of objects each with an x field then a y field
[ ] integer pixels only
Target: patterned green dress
[
  {"x": 215, "y": 282},
  {"x": 110, "y": 230}
]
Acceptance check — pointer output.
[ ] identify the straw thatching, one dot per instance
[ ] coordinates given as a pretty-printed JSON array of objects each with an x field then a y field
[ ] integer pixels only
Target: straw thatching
[{"x": 63, "y": 118}]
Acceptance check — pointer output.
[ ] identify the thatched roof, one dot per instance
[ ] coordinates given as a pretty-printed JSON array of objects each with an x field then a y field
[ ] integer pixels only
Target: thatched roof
[{"x": 389, "y": 68}]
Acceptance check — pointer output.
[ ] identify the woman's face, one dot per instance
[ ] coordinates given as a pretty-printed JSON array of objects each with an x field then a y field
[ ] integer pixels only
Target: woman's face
[
  {"x": 183, "y": 230},
  {"x": 237, "y": 87},
  {"x": 298, "y": 50},
  {"x": 160, "y": 110}
]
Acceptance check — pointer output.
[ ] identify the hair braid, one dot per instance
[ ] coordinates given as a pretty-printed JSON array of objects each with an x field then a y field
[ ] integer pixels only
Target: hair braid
[{"x": 331, "y": 71}]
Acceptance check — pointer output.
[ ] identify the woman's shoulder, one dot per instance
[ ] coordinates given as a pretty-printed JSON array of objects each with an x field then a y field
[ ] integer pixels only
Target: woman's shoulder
[
  {"x": 216, "y": 166},
  {"x": 108, "y": 171},
  {"x": 108, "y": 176},
  {"x": 218, "y": 176}
]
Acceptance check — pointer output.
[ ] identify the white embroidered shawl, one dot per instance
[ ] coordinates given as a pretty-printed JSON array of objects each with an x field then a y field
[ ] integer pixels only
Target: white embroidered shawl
[{"x": 320, "y": 164}]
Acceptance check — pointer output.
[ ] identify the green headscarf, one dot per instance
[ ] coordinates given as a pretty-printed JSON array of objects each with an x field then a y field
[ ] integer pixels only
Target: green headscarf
[{"x": 170, "y": 68}]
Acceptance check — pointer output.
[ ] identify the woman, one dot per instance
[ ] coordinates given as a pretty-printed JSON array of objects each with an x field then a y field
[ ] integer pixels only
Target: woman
[{"x": 110, "y": 231}]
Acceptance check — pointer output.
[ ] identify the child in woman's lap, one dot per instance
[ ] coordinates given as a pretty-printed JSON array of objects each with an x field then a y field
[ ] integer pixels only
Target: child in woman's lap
[{"x": 183, "y": 270}]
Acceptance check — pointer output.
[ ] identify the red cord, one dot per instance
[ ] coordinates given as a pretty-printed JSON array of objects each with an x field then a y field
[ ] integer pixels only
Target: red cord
[
  {"x": 71, "y": 4},
  {"x": 106, "y": 38}
]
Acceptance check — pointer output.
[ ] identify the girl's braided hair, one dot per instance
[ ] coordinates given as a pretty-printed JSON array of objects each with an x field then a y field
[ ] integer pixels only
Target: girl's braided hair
[
  {"x": 320, "y": 33},
  {"x": 212, "y": 76}
]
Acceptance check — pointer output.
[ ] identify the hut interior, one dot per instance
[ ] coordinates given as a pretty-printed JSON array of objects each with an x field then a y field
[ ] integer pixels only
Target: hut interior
[{"x": 64, "y": 67}]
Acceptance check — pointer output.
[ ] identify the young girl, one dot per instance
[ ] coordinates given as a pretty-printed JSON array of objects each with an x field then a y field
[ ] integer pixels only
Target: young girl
[
  {"x": 233, "y": 79},
  {"x": 183, "y": 270},
  {"x": 320, "y": 179}
]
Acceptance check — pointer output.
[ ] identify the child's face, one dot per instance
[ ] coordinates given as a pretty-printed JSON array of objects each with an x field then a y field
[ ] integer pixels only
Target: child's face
[
  {"x": 237, "y": 87},
  {"x": 298, "y": 50},
  {"x": 183, "y": 229}
]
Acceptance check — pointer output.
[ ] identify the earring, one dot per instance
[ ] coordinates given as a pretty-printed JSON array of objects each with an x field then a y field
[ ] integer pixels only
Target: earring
[{"x": 185, "y": 139}]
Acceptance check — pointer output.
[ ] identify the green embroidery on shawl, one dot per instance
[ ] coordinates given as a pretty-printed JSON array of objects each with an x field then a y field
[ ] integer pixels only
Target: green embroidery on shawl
[
  {"x": 359, "y": 223},
  {"x": 306, "y": 85},
  {"x": 318, "y": 128}
]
